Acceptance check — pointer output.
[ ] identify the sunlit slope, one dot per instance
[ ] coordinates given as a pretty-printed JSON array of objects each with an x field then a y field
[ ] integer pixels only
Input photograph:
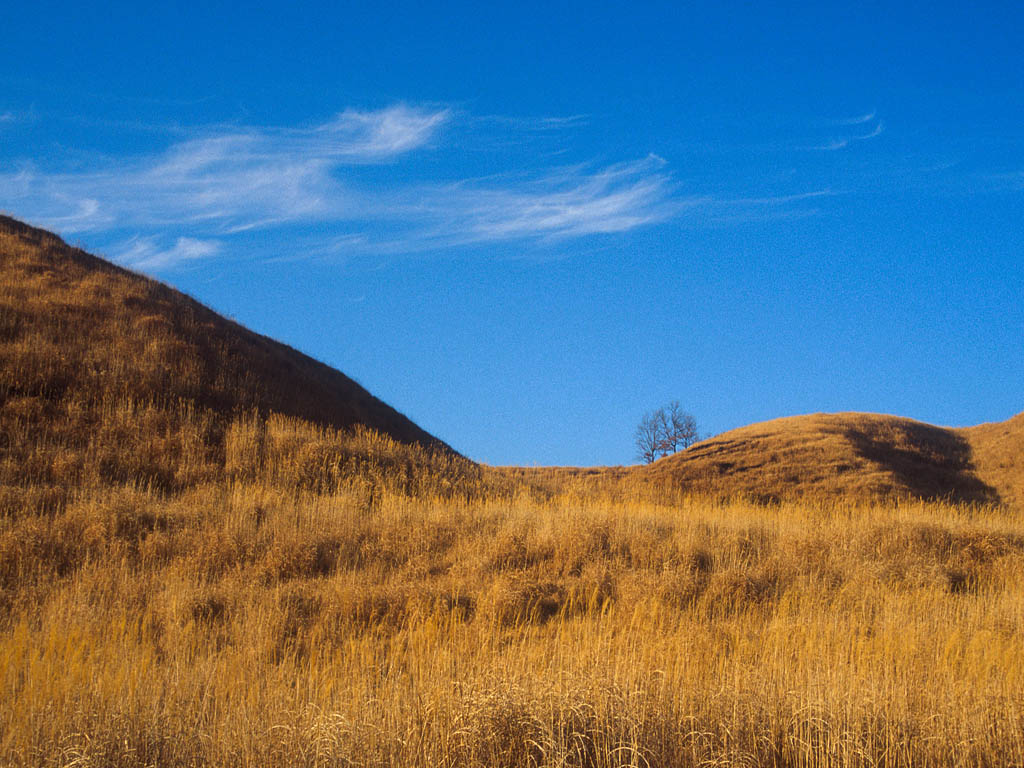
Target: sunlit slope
[
  {"x": 107, "y": 377},
  {"x": 853, "y": 455},
  {"x": 73, "y": 323},
  {"x": 998, "y": 452}
]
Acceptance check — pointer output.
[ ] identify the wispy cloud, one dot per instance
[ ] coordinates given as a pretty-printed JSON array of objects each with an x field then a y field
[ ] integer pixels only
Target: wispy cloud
[
  {"x": 233, "y": 180},
  {"x": 229, "y": 180},
  {"x": 569, "y": 202},
  {"x": 876, "y": 131},
  {"x": 858, "y": 120},
  {"x": 842, "y": 142},
  {"x": 781, "y": 199},
  {"x": 534, "y": 123},
  {"x": 196, "y": 197},
  {"x": 742, "y": 210},
  {"x": 10, "y": 117},
  {"x": 145, "y": 253}
]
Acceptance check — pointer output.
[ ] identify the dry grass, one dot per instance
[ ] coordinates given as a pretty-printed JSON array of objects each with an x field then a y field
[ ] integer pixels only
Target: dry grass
[
  {"x": 80, "y": 337},
  {"x": 999, "y": 455},
  {"x": 190, "y": 575},
  {"x": 253, "y": 624},
  {"x": 848, "y": 455}
]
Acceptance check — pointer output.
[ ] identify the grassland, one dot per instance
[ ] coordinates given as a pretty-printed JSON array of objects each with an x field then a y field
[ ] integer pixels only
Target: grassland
[
  {"x": 254, "y": 622},
  {"x": 198, "y": 569}
]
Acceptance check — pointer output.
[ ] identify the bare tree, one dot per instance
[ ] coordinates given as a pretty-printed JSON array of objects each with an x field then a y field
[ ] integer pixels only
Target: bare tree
[
  {"x": 648, "y": 438},
  {"x": 682, "y": 428},
  {"x": 664, "y": 431}
]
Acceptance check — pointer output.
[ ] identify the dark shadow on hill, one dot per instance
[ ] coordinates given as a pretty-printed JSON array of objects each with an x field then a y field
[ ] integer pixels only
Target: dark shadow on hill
[{"x": 929, "y": 462}]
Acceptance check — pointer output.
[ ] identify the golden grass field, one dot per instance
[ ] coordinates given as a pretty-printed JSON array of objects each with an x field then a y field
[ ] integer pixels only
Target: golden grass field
[
  {"x": 197, "y": 571},
  {"x": 252, "y": 622}
]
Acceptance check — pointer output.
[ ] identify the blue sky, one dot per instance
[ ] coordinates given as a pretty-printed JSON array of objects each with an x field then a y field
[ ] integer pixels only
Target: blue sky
[{"x": 525, "y": 225}]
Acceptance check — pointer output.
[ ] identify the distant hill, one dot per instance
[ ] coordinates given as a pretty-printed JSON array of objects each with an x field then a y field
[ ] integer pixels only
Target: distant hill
[
  {"x": 108, "y": 375},
  {"x": 856, "y": 456}
]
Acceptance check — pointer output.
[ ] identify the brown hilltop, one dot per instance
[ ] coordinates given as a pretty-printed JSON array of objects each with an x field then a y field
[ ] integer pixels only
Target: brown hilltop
[
  {"x": 107, "y": 376},
  {"x": 853, "y": 455},
  {"x": 104, "y": 329}
]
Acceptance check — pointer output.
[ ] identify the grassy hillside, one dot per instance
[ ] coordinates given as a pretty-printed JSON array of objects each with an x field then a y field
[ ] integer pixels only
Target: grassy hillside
[
  {"x": 74, "y": 325},
  {"x": 203, "y": 564},
  {"x": 998, "y": 455},
  {"x": 852, "y": 456},
  {"x": 108, "y": 378},
  {"x": 248, "y": 622}
]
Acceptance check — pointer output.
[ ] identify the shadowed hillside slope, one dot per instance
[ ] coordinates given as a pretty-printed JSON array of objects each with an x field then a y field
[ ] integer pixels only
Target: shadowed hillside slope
[
  {"x": 853, "y": 455},
  {"x": 110, "y": 377}
]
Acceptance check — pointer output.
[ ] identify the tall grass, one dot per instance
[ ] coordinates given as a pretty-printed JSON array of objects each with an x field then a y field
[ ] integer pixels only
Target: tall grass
[
  {"x": 258, "y": 622},
  {"x": 204, "y": 562}
]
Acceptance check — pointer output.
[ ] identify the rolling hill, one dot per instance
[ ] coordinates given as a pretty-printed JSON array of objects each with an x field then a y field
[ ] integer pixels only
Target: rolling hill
[
  {"x": 853, "y": 455},
  {"x": 103, "y": 329},
  {"x": 108, "y": 377}
]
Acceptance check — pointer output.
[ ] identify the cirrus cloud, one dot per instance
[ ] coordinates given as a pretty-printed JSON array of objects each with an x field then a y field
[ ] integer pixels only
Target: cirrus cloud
[{"x": 186, "y": 202}]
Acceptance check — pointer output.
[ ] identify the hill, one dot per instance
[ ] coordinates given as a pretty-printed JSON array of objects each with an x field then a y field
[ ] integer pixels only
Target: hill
[
  {"x": 852, "y": 455},
  {"x": 109, "y": 377}
]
